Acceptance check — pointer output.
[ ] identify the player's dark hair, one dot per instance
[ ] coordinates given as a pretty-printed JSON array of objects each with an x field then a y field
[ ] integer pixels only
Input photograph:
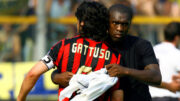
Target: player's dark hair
[
  {"x": 171, "y": 31},
  {"x": 122, "y": 9},
  {"x": 95, "y": 18}
]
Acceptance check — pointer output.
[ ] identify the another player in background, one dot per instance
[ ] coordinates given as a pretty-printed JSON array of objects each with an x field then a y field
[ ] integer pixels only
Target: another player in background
[
  {"x": 168, "y": 56},
  {"x": 86, "y": 49},
  {"x": 140, "y": 66}
]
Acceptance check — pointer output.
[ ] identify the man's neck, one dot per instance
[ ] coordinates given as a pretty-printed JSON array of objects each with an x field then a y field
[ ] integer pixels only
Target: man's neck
[{"x": 174, "y": 43}]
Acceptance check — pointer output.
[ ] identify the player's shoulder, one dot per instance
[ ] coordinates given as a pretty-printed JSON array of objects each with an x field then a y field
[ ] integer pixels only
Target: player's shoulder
[
  {"x": 137, "y": 40},
  {"x": 65, "y": 41},
  {"x": 72, "y": 39},
  {"x": 177, "y": 51}
]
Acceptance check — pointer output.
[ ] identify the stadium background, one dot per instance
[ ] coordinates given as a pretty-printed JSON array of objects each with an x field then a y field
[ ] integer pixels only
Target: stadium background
[{"x": 33, "y": 25}]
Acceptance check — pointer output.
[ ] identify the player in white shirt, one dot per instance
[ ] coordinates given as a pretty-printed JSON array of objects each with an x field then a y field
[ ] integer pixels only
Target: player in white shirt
[{"x": 169, "y": 60}]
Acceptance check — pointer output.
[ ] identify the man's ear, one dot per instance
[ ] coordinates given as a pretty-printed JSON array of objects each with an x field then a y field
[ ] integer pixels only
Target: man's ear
[
  {"x": 176, "y": 40},
  {"x": 82, "y": 23}
]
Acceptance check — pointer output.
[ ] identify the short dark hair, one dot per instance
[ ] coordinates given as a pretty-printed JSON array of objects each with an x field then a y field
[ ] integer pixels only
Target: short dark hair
[
  {"x": 95, "y": 18},
  {"x": 171, "y": 31},
  {"x": 122, "y": 9}
]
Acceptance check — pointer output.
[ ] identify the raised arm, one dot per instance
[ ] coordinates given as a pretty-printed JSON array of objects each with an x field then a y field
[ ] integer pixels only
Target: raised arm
[{"x": 31, "y": 79}]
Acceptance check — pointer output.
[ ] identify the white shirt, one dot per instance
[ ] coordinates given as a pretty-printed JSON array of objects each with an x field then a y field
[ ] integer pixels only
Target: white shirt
[
  {"x": 91, "y": 86},
  {"x": 169, "y": 60}
]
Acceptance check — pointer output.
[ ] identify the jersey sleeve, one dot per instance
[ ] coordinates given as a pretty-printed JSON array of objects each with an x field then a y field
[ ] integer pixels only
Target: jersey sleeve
[
  {"x": 146, "y": 52},
  {"x": 52, "y": 58}
]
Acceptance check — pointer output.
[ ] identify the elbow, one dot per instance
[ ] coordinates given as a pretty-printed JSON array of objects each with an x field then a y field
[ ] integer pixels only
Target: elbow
[
  {"x": 157, "y": 79},
  {"x": 53, "y": 79},
  {"x": 32, "y": 75}
]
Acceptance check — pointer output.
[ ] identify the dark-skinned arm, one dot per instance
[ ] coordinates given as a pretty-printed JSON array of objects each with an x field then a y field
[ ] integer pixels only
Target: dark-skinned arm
[
  {"x": 150, "y": 75},
  {"x": 61, "y": 78},
  {"x": 172, "y": 86}
]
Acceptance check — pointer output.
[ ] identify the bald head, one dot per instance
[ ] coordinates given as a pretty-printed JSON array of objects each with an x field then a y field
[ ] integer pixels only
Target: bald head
[
  {"x": 120, "y": 17},
  {"x": 120, "y": 8}
]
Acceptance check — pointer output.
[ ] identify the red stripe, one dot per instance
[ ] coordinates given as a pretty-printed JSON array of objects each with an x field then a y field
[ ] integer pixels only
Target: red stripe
[
  {"x": 65, "y": 58},
  {"x": 66, "y": 99},
  {"x": 59, "y": 53},
  {"x": 109, "y": 98},
  {"x": 116, "y": 86},
  {"x": 119, "y": 58},
  {"x": 59, "y": 91},
  {"x": 89, "y": 56},
  {"x": 92, "y": 41},
  {"x": 113, "y": 59},
  {"x": 77, "y": 57},
  {"x": 107, "y": 95},
  {"x": 101, "y": 98},
  {"x": 101, "y": 61}
]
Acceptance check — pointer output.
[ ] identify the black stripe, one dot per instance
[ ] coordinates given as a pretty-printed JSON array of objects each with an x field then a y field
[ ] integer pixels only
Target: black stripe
[
  {"x": 108, "y": 61},
  {"x": 54, "y": 52},
  {"x": 60, "y": 64},
  {"x": 83, "y": 56},
  {"x": 71, "y": 57},
  {"x": 95, "y": 60}
]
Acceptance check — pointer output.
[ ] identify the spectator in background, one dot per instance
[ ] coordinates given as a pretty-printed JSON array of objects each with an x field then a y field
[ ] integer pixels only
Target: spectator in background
[
  {"x": 168, "y": 56},
  {"x": 146, "y": 8},
  {"x": 109, "y": 3},
  {"x": 27, "y": 32},
  {"x": 163, "y": 7},
  {"x": 175, "y": 8},
  {"x": 10, "y": 44},
  {"x": 168, "y": 8},
  {"x": 57, "y": 9}
]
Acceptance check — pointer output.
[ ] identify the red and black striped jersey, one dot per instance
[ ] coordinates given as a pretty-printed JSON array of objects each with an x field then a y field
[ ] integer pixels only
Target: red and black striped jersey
[{"x": 70, "y": 54}]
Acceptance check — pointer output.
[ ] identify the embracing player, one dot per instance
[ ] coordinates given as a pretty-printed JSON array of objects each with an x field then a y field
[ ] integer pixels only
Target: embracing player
[{"x": 87, "y": 49}]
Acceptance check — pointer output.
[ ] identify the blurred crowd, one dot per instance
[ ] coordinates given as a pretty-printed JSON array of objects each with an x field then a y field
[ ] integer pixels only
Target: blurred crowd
[{"x": 17, "y": 41}]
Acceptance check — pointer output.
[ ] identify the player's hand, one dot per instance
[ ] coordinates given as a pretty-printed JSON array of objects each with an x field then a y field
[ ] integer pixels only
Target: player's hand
[
  {"x": 62, "y": 78},
  {"x": 65, "y": 78},
  {"x": 176, "y": 78},
  {"x": 116, "y": 70},
  {"x": 174, "y": 86}
]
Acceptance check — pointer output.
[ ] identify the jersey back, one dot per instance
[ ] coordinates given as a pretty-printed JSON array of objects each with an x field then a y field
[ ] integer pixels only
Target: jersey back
[{"x": 70, "y": 54}]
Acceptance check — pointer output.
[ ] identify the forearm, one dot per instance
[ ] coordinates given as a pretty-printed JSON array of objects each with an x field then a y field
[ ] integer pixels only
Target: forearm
[
  {"x": 26, "y": 87},
  {"x": 171, "y": 86},
  {"x": 164, "y": 85},
  {"x": 148, "y": 76},
  {"x": 151, "y": 73},
  {"x": 31, "y": 79}
]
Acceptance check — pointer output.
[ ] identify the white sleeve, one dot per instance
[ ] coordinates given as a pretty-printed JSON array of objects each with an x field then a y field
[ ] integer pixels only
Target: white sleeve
[{"x": 48, "y": 61}]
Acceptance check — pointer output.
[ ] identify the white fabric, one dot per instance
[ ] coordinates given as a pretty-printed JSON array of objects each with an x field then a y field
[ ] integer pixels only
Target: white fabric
[
  {"x": 169, "y": 61},
  {"x": 91, "y": 86}
]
